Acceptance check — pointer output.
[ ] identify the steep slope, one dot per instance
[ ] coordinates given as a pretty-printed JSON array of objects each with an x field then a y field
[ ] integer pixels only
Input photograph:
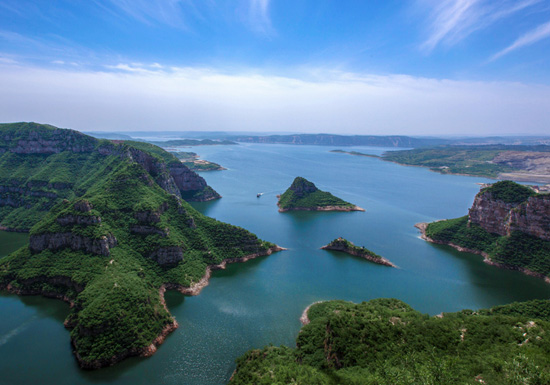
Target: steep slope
[
  {"x": 304, "y": 195},
  {"x": 118, "y": 240},
  {"x": 509, "y": 224},
  {"x": 386, "y": 342},
  {"x": 40, "y": 165}
]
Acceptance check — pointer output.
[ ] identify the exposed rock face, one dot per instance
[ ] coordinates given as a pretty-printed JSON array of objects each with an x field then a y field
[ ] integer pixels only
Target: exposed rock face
[
  {"x": 531, "y": 216},
  {"x": 57, "y": 241},
  {"x": 57, "y": 140},
  {"x": 302, "y": 187},
  {"x": 83, "y": 206},
  {"x": 167, "y": 255},
  {"x": 146, "y": 230},
  {"x": 491, "y": 214},
  {"x": 175, "y": 178},
  {"x": 85, "y": 220}
]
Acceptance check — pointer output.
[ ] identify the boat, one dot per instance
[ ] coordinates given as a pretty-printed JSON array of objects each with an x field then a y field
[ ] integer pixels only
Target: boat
[{"x": 259, "y": 194}]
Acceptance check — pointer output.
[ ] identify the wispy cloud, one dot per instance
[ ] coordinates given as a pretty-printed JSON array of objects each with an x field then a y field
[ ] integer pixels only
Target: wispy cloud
[
  {"x": 531, "y": 37},
  {"x": 454, "y": 20},
  {"x": 259, "y": 17},
  {"x": 167, "y": 12}
]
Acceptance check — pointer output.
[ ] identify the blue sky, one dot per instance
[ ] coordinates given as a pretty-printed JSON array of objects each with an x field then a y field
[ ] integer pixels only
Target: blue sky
[{"x": 420, "y": 67}]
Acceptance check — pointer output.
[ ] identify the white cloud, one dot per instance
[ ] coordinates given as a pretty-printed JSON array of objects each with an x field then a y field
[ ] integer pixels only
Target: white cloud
[
  {"x": 454, "y": 20},
  {"x": 531, "y": 37},
  {"x": 146, "y": 97}
]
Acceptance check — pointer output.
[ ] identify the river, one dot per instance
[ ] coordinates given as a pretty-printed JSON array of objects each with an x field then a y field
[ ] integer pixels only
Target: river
[{"x": 259, "y": 302}]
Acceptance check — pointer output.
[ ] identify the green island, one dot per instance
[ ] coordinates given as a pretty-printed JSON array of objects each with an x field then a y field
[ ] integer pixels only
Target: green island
[
  {"x": 109, "y": 233},
  {"x": 191, "y": 160},
  {"x": 356, "y": 153},
  {"x": 386, "y": 342},
  {"x": 341, "y": 244},
  {"x": 518, "y": 162},
  {"x": 509, "y": 224},
  {"x": 304, "y": 195}
]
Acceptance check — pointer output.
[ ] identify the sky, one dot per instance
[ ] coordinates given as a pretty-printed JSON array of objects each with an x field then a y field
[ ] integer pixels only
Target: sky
[{"x": 410, "y": 67}]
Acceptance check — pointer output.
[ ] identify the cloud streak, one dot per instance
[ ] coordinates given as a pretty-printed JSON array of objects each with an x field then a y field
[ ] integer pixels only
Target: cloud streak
[
  {"x": 167, "y": 12},
  {"x": 148, "y": 97},
  {"x": 259, "y": 17},
  {"x": 454, "y": 20},
  {"x": 531, "y": 37}
]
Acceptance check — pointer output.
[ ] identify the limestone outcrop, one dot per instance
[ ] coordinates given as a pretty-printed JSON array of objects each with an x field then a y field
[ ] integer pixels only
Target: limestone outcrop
[
  {"x": 57, "y": 241},
  {"x": 498, "y": 215}
]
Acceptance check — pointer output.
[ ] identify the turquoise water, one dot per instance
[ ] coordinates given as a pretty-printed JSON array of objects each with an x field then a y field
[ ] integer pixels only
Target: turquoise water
[{"x": 253, "y": 304}]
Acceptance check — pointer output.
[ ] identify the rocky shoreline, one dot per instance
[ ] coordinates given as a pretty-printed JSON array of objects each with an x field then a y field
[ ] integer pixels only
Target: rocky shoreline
[
  {"x": 304, "y": 318},
  {"x": 197, "y": 287},
  {"x": 486, "y": 258},
  {"x": 368, "y": 257},
  {"x": 144, "y": 351},
  {"x": 322, "y": 208}
]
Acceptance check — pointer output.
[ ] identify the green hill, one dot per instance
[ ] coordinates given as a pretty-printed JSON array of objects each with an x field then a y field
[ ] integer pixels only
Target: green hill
[
  {"x": 110, "y": 233},
  {"x": 40, "y": 165},
  {"x": 508, "y": 223},
  {"x": 304, "y": 195},
  {"x": 386, "y": 342}
]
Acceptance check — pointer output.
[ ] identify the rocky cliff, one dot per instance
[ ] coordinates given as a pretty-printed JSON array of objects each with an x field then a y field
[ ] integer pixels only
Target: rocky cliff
[
  {"x": 520, "y": 209},
  {"x": 40, "y": 165},
  {"x": 115, "y": 235}
]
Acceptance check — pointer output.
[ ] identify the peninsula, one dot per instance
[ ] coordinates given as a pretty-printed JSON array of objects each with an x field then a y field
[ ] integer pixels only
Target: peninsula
[
  {"x": 191, "y": 160},
  {"x": 305, "y": 196},
  {"x": 385, "y": 341},
  {"x": 341, "y": 244},
  {"x": 530, "y": 163},
  {"x": 110, "y": 232},
  {"x": 508, "y": 224}
]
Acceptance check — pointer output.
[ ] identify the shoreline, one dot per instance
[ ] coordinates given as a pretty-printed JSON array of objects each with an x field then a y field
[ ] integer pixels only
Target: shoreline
[
  {"x": 381, "y": 261},
  {"x": 486, "y": 257},
  {"x": 144, "y": 351},
  {"x": 304, "y": 319},
  {"x": 197, "y": 287},
  {"x": 322, "y": 208}
]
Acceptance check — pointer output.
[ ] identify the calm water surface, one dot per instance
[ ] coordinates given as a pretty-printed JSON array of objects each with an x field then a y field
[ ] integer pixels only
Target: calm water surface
[{"x": 253, "y": 304}]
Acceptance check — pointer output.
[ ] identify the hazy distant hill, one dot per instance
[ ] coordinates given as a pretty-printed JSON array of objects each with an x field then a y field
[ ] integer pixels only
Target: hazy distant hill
[{"x": 343, "y": 140}]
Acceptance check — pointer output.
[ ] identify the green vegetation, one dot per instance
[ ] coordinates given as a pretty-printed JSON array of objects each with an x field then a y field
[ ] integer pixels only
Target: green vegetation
[
  {"x": 160, "y": 239},
  {"x": 471, "y": 160},
  {"x": 385, "y": 341},
  {"x": 519, "y": 250},
  {"x": 357, "y": 153},
  {"x": 32, "y": 182},
  {"x": 185, "y": 156},
  {"x": 303, "y": 194},
  {"x": 509, "y": 192},
  {"x": 344, "y": 244}
]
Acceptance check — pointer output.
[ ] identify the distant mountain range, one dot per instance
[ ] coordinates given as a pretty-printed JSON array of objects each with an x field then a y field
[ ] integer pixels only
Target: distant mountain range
[{"x": 320, "y": 139}]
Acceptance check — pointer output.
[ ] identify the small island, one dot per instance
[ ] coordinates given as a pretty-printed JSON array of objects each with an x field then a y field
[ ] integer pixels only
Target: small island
[
  {"x": 356, "y": 153},
  {"x": 192, "y": 162},
  {"x": 305, "y": 196},
  {"x": 341, "y": 244}
]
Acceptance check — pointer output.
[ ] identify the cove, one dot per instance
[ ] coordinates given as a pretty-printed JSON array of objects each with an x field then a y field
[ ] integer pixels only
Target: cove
[{"x": 259, "y": 302}]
